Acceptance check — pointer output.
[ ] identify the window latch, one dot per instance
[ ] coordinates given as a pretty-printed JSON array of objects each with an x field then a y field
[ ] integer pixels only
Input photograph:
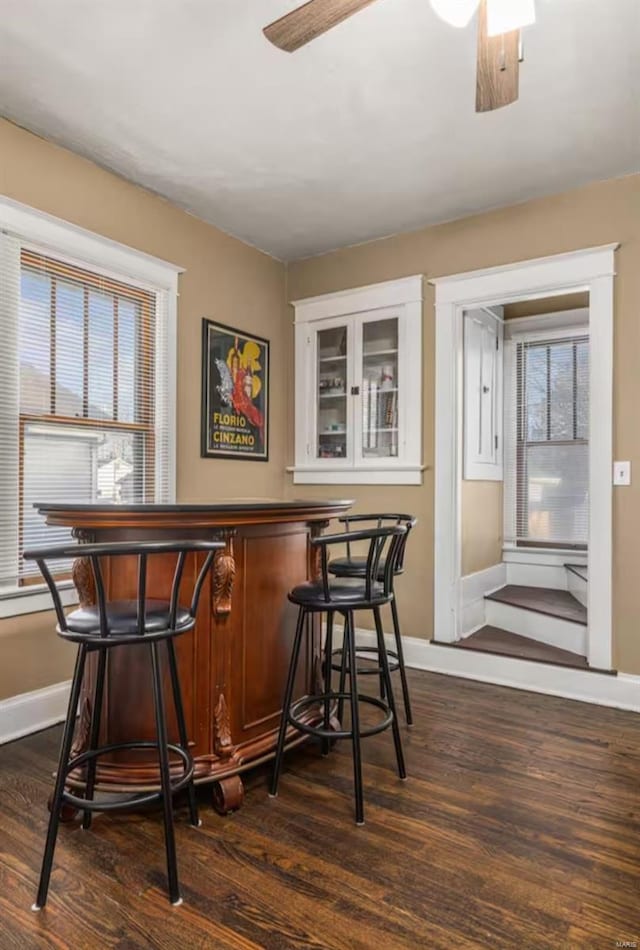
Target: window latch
[{"x": 355, "y": 390}]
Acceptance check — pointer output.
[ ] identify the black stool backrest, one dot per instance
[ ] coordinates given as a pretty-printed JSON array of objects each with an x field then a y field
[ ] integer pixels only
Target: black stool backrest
[
  {"x": 408, "y": 521},
  {"x": 382, "y": 541},
  {"x": 141, "y": 549}
]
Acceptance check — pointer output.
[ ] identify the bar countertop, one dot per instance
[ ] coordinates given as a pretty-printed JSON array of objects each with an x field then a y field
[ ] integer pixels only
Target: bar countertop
[{"x": 228, "y": 511}]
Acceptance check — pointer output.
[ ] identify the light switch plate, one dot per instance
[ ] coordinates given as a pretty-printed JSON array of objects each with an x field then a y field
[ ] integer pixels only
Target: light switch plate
[{"x": 622, "y": 473}]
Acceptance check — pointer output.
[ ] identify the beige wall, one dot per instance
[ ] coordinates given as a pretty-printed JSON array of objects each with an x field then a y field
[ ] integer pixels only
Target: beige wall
[
  {"x": 598, "y": 214},
  {"x": 224, "y": 279},
  {"x": 482, "y": 521},
  {"x": 227, "y": 280}
]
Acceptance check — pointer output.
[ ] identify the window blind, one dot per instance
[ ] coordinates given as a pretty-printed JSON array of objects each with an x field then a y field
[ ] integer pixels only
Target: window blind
[
  {"x": 547, "y": 447},
  {"x": 84, "y": 400}
]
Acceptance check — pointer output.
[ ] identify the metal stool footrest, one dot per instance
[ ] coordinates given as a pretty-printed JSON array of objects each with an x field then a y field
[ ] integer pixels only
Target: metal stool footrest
[
  {"x": 144, "y": 798},
  {"x": 392, "y": 657},
  {"x": 301, "y": 705}
]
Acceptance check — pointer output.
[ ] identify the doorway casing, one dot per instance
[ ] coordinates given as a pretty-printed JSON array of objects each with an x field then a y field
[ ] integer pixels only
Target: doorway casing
[{"x": 589, "y": 269}]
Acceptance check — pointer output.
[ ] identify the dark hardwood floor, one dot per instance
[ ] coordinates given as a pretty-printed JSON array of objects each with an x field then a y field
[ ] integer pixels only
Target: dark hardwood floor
[{"x": 519, "y": 827}]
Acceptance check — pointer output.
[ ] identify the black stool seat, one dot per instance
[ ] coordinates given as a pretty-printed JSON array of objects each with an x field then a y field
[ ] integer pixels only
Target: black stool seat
[
  {"x": 122, "y": 620},
  {"x": 355, "y": 566},
  {"x": 369, "y": 592},
  {"x": 96, "y": 630},
  {"x": 347, "y": 594}
]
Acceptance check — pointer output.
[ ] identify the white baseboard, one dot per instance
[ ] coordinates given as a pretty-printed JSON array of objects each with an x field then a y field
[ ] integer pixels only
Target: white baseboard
[
  {"x": 30, "y": 712},
  {"x": 473, "y": 588},
  {"x": 621, "y": 691}
]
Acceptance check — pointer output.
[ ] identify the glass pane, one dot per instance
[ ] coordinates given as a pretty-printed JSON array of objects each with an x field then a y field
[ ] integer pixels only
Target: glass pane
[
  {"x": 69, "y": 348},
  {"x": 535, "y": 386},
  {"x": 380, "y": 389},
  {"x": 100, "y": 355},
  {"x": 582, "y": 389},
  {"x": 35, "y": 342},
  {"x": 332, "y": 393},
  {"x": 557, "y": 480},
  {"x": 77, "y": 464},
  {"x": 128, "y": 312},
  {"x": 561, "y": 394}
]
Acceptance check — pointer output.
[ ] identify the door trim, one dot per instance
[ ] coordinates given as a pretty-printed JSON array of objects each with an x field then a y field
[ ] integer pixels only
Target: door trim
[{"x": 590, "y": 269}]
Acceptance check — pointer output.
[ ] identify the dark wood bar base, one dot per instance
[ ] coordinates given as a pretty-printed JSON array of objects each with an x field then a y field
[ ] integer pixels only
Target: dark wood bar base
[{"x": 233, "y": 665}]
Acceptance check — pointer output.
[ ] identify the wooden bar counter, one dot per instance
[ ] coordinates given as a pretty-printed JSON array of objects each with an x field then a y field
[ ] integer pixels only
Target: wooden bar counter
[{"x": 234, "y": 663}]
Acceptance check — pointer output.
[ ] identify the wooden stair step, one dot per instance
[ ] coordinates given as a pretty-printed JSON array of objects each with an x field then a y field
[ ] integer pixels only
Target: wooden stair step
[
  {"x": 495, "y": 640},
  {"x": 542, "y": 600}
]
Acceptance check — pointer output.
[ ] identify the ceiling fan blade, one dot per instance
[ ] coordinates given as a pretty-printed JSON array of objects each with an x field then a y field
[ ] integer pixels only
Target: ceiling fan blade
[
  {"x": 299, "y": 27},
  {"x": 497, "y": 82}
]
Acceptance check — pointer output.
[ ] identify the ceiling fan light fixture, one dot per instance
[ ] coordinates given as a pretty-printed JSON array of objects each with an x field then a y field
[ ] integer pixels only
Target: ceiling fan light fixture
[
  {"x": 503, "y": 16},
  {"x": 455, "y": 12}
]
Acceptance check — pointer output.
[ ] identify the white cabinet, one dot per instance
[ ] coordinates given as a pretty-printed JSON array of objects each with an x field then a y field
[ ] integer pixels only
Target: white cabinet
[
  {"x": 359, "y": 386},
  {"x": 483, "y": 350}
]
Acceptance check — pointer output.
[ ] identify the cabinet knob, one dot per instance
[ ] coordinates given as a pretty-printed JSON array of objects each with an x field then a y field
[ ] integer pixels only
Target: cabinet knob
[{"x": 355, "y": 390}]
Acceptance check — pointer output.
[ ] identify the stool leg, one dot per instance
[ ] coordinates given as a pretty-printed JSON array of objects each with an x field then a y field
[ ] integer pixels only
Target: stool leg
[
  {"x": 56, "y": 803},
  {"x": 327, "y": 679},
  {"x": 403, "y": 673},
  {"x": 95, "y": 734},
  {"x": 288, "y": 693},
  {"x": 182, "y": 728},
  {"x": 390, "y": 698},
  {"x": 355, "y": 718},
  {"x": 342, "y": 685},
  {"x": 165, "y": 777}
]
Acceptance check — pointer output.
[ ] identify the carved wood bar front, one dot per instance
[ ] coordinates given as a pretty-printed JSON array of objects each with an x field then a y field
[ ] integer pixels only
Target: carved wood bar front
[{"x": 233, "y": 665}]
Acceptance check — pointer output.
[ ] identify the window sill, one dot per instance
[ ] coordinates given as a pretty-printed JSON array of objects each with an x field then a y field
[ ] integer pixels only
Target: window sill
[
  {"x": 556, "y": 557},
  {"x": 335, "y": 474},
  {"x": 15, "y": 601}
]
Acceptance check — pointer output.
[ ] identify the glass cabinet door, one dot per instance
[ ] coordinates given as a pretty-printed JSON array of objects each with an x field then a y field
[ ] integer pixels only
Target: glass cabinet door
[
  {"x": 379, "y": 389},
  {"x": 332, "y": 413}
]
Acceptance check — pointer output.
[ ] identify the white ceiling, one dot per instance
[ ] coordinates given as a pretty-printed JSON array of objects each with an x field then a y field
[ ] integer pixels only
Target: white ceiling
[{"x": 367, "y": 131}]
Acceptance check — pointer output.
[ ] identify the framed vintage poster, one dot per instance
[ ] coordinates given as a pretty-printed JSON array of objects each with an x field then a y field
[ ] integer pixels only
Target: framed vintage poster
[{"x": 235, "y": 394}]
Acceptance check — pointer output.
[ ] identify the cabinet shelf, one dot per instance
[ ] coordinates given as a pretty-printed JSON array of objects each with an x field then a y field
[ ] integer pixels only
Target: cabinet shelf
[
  {"x": 331, "y": 395},
  {"x": 331, "y": 359},
  {"x": 375, "y": 353}
]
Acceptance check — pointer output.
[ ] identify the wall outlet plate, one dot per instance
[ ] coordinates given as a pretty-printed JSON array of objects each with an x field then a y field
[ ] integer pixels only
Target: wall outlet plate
[{"x": 622, "y": 473}]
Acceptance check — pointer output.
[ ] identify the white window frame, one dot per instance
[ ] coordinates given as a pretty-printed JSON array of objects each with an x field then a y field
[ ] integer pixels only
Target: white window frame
[
  {"x": 577, "y": 326},
  {"x": 51, "y": 235},
  {"x": 588, "y": 269}
]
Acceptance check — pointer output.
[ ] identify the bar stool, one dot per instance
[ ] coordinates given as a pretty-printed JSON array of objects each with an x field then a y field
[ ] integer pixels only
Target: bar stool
[
  {"x": 355, "y": 566},
  {"x": 371, "y": 591},
  {"x": 101, "y": 628}
]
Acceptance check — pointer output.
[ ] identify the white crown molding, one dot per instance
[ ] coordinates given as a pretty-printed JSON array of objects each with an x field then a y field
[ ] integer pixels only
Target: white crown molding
[
  {"x": 390, "y": 293},
  {"x": 528, "y": 280},
  {"x": 49, "y": 233}
]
